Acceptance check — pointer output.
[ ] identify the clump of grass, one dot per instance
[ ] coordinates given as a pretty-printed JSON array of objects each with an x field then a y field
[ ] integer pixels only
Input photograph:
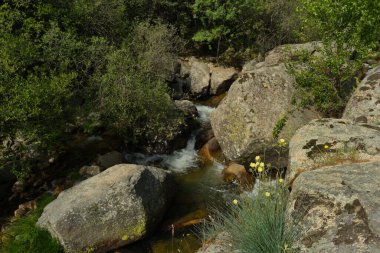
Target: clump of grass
[
  {"x": 329, "y": 156},
  {"x": 22, "y": 235},
  {"x": 280, "y": 124},
  {"x": 257, "y": 224}
]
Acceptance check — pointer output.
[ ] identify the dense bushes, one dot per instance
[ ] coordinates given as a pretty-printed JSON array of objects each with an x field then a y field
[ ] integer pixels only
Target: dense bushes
[
  {"x": 349, "y": 30},
  {"x": 132, "y": 92},
  {"x": 64, "y": 59},
  {"x": 235, "y": 27}
]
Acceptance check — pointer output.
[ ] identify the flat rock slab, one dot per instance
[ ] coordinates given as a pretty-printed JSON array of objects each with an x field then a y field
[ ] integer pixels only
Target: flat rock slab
[
  {"x": 364, "y": 105},
  {"x": 307, "y": 147},
  {"x": 220, "y": 244},
  {"x": 337, "y": 209},
  {"x": 114, "y": 208}
]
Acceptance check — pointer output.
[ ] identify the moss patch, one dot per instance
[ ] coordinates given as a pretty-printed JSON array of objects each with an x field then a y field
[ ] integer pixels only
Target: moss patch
[{"x": 23, "y": 236}]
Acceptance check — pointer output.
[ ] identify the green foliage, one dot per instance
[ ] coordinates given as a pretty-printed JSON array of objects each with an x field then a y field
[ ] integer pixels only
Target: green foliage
[
  {"x": 35, "y": 80},
  {"x": 236, "y": 25},
  {"x": 329, "y": 156},
  {"x": 132, "y": 93},
  {"x": 325, "y": 79},
  {"x": 22, "y": 235},
  {"x": 57, "y": 58},
  {"x": 348, "y": 29},
  {"x": 280, "y": 124},
  {"x": 215, "y": 15},
  {"x": 351, "y": 22}
]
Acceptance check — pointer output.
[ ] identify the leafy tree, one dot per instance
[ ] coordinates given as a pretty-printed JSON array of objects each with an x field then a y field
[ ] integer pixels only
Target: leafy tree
[
  {"x": 255, "y": 24},
  {"x": 218, "y": 18},
  {"x": 350, "y": 23},
  {"x": 132, "y": 93}
]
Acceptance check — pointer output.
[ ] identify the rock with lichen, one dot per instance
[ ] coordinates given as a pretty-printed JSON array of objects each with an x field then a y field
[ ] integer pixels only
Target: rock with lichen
[
  {"x": 205, "y": 78},
  {"x": 364, "y": 105},
  {"x": 331, "y": 141},
  {"x": 116, "y": 207},
  {"x": 221, "y": 79},
  {"x": 258, "y": 104},
  {"x": 337, "y": 209}
]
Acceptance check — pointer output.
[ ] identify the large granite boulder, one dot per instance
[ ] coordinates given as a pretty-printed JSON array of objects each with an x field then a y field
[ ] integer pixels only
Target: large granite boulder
[
  {"x": 287, "y": 52},
  {"x": 337, "y": 209},
  {"x": 364, "y": 105},
  {"x": 325, "y": 141},
  {"x": 204, "y": 78},
  {"x": 114, "y": 208},
  {"x": 257, "y": 103},
  {"x": 178, "y": 127},
  {"x": 187, "y": 107},
  {"x": 221, "y": 79},
  {"x": 200, "y": 78}
]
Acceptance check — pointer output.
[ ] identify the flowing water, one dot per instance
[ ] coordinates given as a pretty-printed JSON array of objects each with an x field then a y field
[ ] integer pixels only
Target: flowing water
[{"x": 199, "y": 187}]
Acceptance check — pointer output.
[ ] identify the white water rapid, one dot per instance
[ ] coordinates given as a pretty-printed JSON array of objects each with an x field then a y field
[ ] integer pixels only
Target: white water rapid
[{"x": 181, "y": 160}]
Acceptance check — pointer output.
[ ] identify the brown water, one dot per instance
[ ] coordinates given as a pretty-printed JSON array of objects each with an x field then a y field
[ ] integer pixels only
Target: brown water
[
  {"x": 200, "y": 186},
  {"x": 198, "y": 190}
]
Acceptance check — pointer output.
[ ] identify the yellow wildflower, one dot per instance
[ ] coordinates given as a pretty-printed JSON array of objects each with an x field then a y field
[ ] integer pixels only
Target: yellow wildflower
[
  {"x": 257, "y": 158},
  {"x": 262, "y": 165},
  {"x": 260, "y": 169},
  {"x": 253, "y": 165},
  {"x": 267, "y": 194},
  {"x": 281, "y": 180},
  {"x": 235, "y": 201},
  {"x": 281, "y": 141},
  {"x": 326, "y": 146}
]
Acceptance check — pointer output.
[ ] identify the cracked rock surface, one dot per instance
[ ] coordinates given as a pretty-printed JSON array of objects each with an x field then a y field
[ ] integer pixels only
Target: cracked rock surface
[
  {"x": 307, "y": 147},
  {"x": 364, "y": 105},
  {"x": 337, "y": 209}
]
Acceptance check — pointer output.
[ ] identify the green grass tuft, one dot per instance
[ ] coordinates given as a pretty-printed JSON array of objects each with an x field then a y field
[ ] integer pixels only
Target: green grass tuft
[
  {"x": 22, "y": 235},
  {"x": 280, "y": 124},
  {"x": 256, "y": 225}
]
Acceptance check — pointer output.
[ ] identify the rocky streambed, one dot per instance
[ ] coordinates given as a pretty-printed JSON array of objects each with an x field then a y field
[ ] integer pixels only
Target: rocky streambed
[{"x": 332, "y": 167}]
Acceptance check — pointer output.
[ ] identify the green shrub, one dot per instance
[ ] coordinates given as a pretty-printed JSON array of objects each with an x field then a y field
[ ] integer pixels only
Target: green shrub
[
  {"x": 234, "y": 25},
  {"x": 133, "y": 96},
  {"x": 280, "y": 124},
  {"x": 325, "y": 79},
  {"x": 22, "y": 235},
  {"x": 349, "y": 31}
]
